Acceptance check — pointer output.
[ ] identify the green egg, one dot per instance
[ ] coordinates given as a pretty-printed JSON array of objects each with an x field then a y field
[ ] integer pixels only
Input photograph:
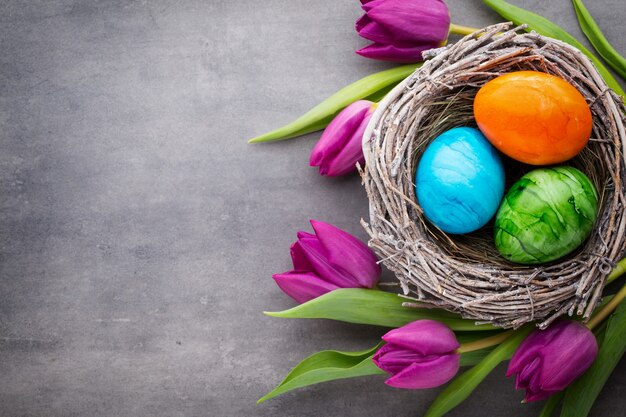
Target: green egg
[{"x": 545, "y": 215}]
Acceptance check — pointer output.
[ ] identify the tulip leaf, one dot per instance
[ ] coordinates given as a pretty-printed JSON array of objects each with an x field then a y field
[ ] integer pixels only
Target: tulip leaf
[
  {"x": 551, "y": 404},
  {"x": 545, "y": 27},
  {"x": 618, "y": 270},
  {"x": 330, "y": 365},
  {"x": 374, "y": 307},
  {"x": 463, "y": 385},
  {"x": 596, "y": 38},
  {"x": 582, "y": 393},
  {"x": 380, "y": 94},
  {"x": 320, "y": 125},
  {"x": 474, "y": 357},
  {"x": 469, "y": 337},
  {"x": 373, "y": 87},
  {"x": 327, "y": 365}
]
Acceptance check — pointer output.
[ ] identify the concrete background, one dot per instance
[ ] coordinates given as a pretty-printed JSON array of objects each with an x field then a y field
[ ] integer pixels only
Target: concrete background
[{"x": 139, "y": 231}]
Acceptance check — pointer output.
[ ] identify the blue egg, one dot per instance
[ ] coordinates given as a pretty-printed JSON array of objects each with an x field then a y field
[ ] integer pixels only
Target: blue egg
[{"x": 460, "y": 181}]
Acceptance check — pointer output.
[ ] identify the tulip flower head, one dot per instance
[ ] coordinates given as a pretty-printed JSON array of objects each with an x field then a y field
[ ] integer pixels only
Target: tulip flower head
[
  {"x": 548, "y": 360},
  {"x": 339, "y": 147},
  {"x": 325, "y": 261},
  {"x": 421, "y": 354},
  {"x": 402, "y": 29}
]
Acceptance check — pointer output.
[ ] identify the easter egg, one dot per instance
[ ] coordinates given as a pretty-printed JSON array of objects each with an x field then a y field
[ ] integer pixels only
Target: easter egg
[
  {"x": 459, "y": 180},
  {"x": 533, "y": 117},
  {"x": 545, "y": 215}
]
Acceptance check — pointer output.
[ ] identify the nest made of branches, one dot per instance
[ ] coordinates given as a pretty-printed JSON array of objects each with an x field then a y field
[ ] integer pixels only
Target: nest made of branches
[{"x": 465, "y": 273}]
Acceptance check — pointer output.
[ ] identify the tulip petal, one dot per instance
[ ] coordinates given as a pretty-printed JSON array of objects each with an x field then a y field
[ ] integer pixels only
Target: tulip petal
[
  {"x": 362, "y": 22},
  {"x": 302, "y": 286},
  {"x": 537, "y": 395},
  {"x": 393, "y": 358},
  {"x": 427, "y": 374},
  {"x": 529, "y": 377},
  {"x": 351, "y": 153},
  {"x": 396, "y": 53},
  {"x": 412, "y": 21},
  {"x": 402, "y": 29},
  {"x": 367, "y": 5},
  {"x": 299, "y": 259},
  {"x": 522, "y": 357},
  {"x": 531, "y": 347},
  {"x": 338, "y": 132},
  {"x": 568, "y": 356},
  {"x": 547, "y": 361},
  {"x": 402, "y": 360},
  {"x": 348, "y": 253},
  {"x": 427, "y": 337},
  {"x": 305, "y": 235},
  {"x": 373, "y": 31},
  {"x": 318, "y": 258}
]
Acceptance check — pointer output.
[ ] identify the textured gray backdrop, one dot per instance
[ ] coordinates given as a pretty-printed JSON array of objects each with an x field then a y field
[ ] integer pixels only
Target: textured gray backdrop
[{"x": 139, "y": 231}]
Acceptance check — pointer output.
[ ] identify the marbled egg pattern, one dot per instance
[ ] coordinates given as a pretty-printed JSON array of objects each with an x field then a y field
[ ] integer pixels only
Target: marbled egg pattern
[
  {"x": 533, "y": 117},
  {"x": 545, "y": 215},
  {"x": 460, "y": 180}
]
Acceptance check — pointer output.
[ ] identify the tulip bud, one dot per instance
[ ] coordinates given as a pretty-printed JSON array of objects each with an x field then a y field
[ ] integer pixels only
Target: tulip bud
[
  {"x": 421, "y": 354},
  {"x": 549, "y": 360},
  {"x": 325, "y": 261},
  {"x": 402, "y": 29},
  {"x": 339, "y": 147}
]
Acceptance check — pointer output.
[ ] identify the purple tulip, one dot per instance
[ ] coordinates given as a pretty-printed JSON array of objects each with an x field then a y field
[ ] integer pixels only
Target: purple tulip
[
  {"x": 402, "y": 29},
  {"x": 325, "y": 261},
  {"x": 339, "y": 148},
  {"x": 421, "y": 354},
  {"x": 548, "y": 360}
]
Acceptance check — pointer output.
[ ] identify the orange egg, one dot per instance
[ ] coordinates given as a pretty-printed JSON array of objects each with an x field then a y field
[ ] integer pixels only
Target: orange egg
[{"x": 533, "y": 117}]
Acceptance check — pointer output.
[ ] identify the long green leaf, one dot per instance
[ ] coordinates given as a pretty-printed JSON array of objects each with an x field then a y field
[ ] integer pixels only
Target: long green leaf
[
  {"x": 313, "y": 127},
  {"x": 327, "y": 365},
  {"x": 464, "y": 337},
  {"x": 379, "y": 308},
  {"x": 373, "y": 87},
  {"x": 580, "y": 396},
  {"x": 545, "y": 27},
  {"x": 330, "y": 365},
  {"x": 463, "y": 385},
  {"x": 380, "y": 94},
  {"x": 551, "y": 404},
  {"x": 475, "y": 357},
  {"x": 592, "y": 31}
]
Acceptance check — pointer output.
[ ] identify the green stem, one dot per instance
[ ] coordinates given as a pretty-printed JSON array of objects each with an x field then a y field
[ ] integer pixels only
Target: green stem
[
  {"x": 618, "y": 271},
  {"x": 486, "y": 342},
  {"x": 462, "y": 30},
  {"x": 608, "y": 308},
  {"x": 373, "y": 87},
  {"x": 551, "y": 404}
]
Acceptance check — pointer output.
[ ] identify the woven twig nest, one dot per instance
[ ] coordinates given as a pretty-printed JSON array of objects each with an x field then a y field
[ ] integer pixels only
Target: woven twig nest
[{"x": 465, "y": 273}]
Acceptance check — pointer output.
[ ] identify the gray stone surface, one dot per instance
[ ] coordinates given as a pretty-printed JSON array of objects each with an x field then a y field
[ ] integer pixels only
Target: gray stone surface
[{"x": 139, "y": 231}]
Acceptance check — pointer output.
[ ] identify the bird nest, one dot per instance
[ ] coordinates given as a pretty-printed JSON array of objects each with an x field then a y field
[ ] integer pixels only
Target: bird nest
[{"x": 465, "y": 273}]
